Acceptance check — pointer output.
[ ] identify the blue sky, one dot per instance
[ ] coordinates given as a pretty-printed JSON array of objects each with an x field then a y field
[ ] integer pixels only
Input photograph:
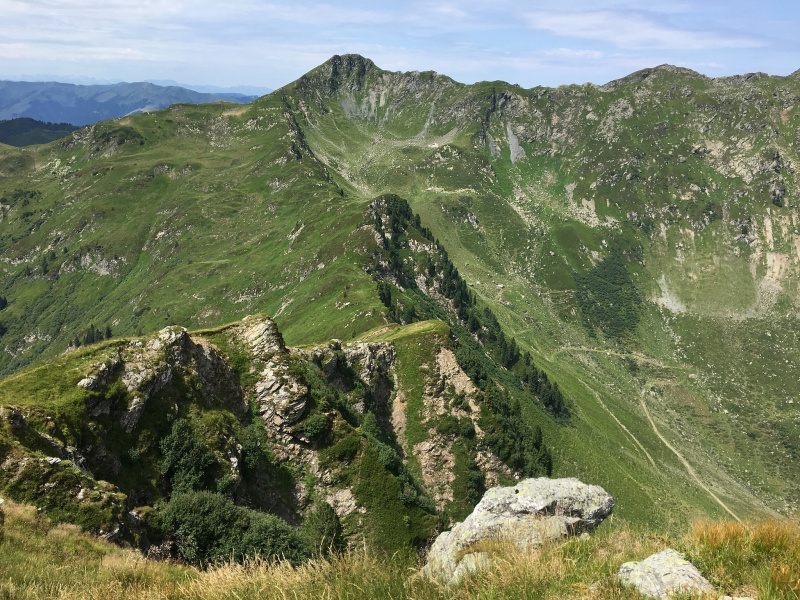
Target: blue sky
[{"x": 269, "y": 44}]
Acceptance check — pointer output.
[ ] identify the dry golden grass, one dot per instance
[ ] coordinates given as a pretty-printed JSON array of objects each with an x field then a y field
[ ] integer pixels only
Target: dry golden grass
[
  {"x": 743, "y": 558},
  {"x": 39, "y": 560}
]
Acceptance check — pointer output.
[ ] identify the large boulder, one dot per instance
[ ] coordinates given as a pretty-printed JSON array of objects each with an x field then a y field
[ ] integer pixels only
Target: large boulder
[
  {"x": 528, "y": 514},
  {"x": 664, "y": 574}
]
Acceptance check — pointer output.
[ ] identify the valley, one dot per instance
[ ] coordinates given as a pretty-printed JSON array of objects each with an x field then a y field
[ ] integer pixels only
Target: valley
[{"x": 637, "y": 241}]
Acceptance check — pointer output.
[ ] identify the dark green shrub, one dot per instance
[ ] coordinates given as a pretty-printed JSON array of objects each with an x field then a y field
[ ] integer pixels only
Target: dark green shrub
[
  {"x": 447, "y": 425},
  {"x": 131, "y": 456},
  {"x": 387, "y": 456},
  {"x": 269, "y": 536},
  {"x": 315, "y": 426},
  {"x": 187, "y": 463},
  {"x": 370, "y": 427},
  {"x": 206, "y": 526},
  {"x": 322, "y": 531},
  {"x": 210, "y": 529},
  {"x": 346, "y": 449},
  {"x": 476, "y": 484}
]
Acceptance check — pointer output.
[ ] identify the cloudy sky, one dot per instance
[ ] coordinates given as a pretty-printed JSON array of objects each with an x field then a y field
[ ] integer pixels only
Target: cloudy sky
[{"x": 269, "y": 43}]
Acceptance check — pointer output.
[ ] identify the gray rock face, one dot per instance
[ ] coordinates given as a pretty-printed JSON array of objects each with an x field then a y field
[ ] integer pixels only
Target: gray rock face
[
  {"x": 104, "y": 374},
  {"x": 370, "y": 361},
  {"x": 281, "y": 398},
  {"x": 528, "y": 514},
  {"x": 664, "y": 574},
  {"x": 262, "y": 335},
  {"x": 151, "y": 371},
  {"x": 146, "y": 367}
]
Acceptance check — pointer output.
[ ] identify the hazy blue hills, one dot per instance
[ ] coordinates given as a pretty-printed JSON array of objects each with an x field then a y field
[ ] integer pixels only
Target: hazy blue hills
[{"x": 87, "y": 104}]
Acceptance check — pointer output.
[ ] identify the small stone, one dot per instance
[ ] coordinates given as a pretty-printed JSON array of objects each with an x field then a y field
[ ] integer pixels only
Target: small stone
[{"x": 664, "y": 574}]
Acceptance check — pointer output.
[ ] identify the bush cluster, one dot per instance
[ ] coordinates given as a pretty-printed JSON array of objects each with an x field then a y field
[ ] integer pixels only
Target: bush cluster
[
  {"x": 607, "y": 297},
  {"x": 211, "y": 529},
  {"x": 187, "y": 463}
]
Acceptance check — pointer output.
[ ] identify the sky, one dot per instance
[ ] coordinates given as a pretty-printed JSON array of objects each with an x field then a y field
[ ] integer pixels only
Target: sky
[{"x": 267, "y": 44}]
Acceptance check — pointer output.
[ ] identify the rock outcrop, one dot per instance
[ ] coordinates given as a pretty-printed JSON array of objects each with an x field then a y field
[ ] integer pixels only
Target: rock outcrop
[
  {"x": 528, "y": 514},
  {"x": 281, "y": 398},
  {"x": 146, "y": 367},
  {"x": 368, "y": 361},
  {"x": 261, "y": 334},
  {"x": 664, "y": 574}
]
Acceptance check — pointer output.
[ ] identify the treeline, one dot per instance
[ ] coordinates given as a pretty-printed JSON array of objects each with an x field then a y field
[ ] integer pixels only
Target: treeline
[
  {"x": 437, "y": 267},
  {"x": 91, "y": 336},
  {"x": 536, "y": 382},
  {"x": 480, "y": 337},
  {"x": 3, "y": 304},
  {"x": 510, "y": 438},
  {"x": 24, "y": 131},
  {"x": 607, "y": 298}
]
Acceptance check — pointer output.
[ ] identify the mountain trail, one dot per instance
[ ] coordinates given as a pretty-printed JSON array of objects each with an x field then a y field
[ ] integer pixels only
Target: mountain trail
[
  {"x": 637, "y": 355},
  {"x": 686, "y": 464},
  {"x": 613, "y": 416}
]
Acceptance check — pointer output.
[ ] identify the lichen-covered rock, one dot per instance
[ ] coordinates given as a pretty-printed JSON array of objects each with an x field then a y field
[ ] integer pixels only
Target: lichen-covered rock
[
  {"x": 105, "y": 371},
  {"x": 664, "y": 574},
  {"x": 528, "y": 514},
  {"x": 146, "y": 367},
  {"x": 261, "y": 334},
  {"x": 281, "y": 398},
  {"x": 369, "y": 361}
]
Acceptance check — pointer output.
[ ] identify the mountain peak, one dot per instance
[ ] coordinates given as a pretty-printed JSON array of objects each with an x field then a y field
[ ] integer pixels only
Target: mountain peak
[
  {"x": 639, "y": 76},
  {"x": 341, "y": 71}
]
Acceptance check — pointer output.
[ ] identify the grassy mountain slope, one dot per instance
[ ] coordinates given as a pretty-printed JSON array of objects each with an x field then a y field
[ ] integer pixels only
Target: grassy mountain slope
[
  {"x": 688, "y": 180},
  {"x": 666, "y": 195}
]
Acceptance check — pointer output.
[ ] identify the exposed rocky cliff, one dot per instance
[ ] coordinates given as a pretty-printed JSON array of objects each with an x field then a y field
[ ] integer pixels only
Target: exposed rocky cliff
[{"x": 272, "y": 427}]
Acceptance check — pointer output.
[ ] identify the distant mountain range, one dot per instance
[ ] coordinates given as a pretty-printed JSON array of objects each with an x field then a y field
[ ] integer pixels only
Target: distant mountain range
[
  {"x": 247, "y": 90},
  {"x": 86, "y": 104}
]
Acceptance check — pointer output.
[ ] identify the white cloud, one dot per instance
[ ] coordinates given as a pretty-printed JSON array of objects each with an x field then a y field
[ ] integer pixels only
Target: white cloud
[
  {"x": 573, "y": 53},
  {"x": 632, "y": 31}
]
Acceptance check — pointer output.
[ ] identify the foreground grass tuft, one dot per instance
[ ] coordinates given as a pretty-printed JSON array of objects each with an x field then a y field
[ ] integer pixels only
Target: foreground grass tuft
[
  {"x": 41, "y": 560},
  {"x": 744, "y": 559}
]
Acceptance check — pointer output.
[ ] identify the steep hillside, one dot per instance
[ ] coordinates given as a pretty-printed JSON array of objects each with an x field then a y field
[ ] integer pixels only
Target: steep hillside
[
  {"x": 633, "y": 247},
  {"x": 667, "y": 195}
]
